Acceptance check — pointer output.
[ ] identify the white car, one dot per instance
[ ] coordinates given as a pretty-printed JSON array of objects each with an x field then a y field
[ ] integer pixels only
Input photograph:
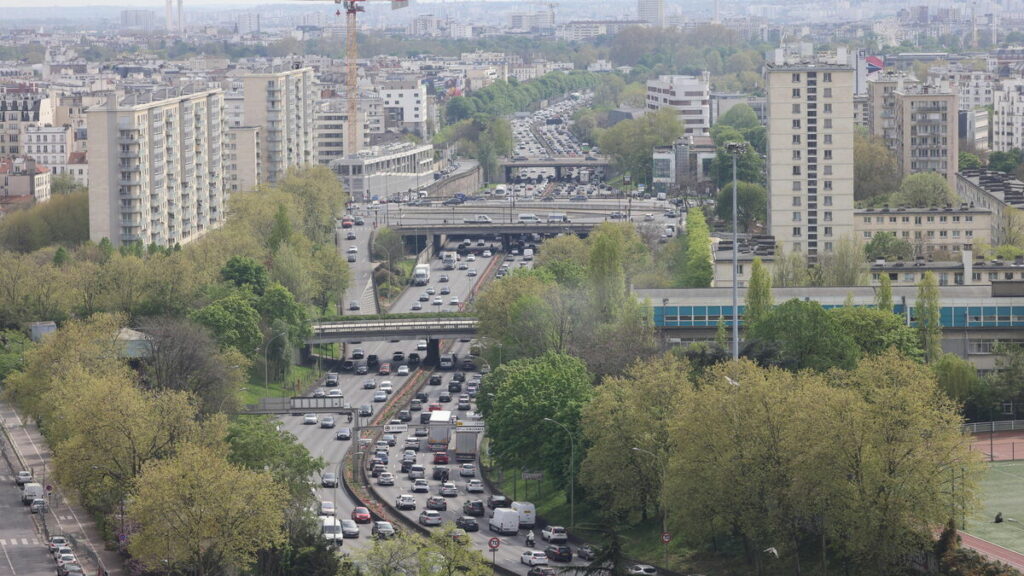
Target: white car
[
  {"x": 642, "y": 570},
  {"x": 353, "y": 249},
  {"x": 406, "y": 502},
  {"x": 474, "y": 485},
  {"x": 403, "y": 370},
  {"x": 334, "y": 393},
  {"x": 471, "y": 272},
  {"x": 554, "y": 534},
  {"x": 467, "y": 471},
  {"x": 386, "y": 479},
  {"x": 431, "y": 518},
  {"x": 534, "y": 558},
  {"x": 310, "y": 419},
  {"x": 420, "y": 485},
  {"x": 327, "y": 508},
  {"x": 454, "y": 301},
  {"x": 486, "y": 254},
  {"x": 386, "y": 387},
  {"x": 471, "y": 258},
  {"x": 421, "y": 345}
]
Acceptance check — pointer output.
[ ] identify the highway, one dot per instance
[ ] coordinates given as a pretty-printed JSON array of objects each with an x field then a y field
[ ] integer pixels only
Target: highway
[
  {"x": 22, "y": 551},
  {"x": 360, "y": 287}
]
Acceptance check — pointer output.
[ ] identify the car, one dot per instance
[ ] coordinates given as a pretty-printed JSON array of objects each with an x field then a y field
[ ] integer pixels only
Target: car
[
  {"x": 420, "y": 431},
  {"x": 361, "y": 514},
  {"x": 353, "y": 305},
  {"x": 467, "y": 470},
  {"x": 349, "y": 529},
  {"x": 404, "y": 416},
  {"x": 433, "y": 407},
  {"x": 437, "y": 301},
  {"x": 403, "y": 370},
  {"x": 454, "y": 387},
  {"x": 350, "y": 236},
  {"x": 353, "y": 250},
  {"x": 486, "y": 254},
  {"x": 586, "y": 552},
  {"x": 327, "y": 508},
  {"x": 463, "y": 266},
  {"x": 38, "y": 505},
  {"x": 424, "y": 297},
  {"x": 310, "y": 419},
  {"x": 420, "y": 485},
  {"x": 440, "y": 473},
  {"x": 327, "y": 422},
  {"x": 358, "y": 353},
  {"x": 444, "y": 292},
  {"x": 71, "y": 569},
  {"x": 471, "y": 258},
  {"x": 319, "y": 393},
  {"x": 454, "y": 301},
  {"x": 60, "y": 550},
  {"x": 386, "y": 479},
  {"x": 443, "y": 278},
  {"x": 542, "y": 571},
  {"x": 642, "y": 570},
  {"x": 382, "y": 530},
  {"x": 417, "y": 471},
  {"x": 359, "y": 221},
  {"x": 391, "y": 439},
  {"x": 430, "y": 518},
  {"x": 474, "y": 486},
  {"x": 329, "y": 480},
  {"x": 343, "y": 434},
  {"x": 533, "y": 558},
  {"x": 473, "y": 508},
  {"x": 444, "y": 397},
  {"x": 440, "y": 457},
  {"x": 405, "y": 502},
  {"x": 415, "y": 405},
  {"x": 416, "y": 306},
  {"x": 554, "y": 534},
  {"x": 398, "y": 356},
  {"x": 437, "y": 503},
  {"x": 412, "y": 443},
  {"x": 448, "y": 489},
  {"x": 380, "y": 396},
  {"x": 366, "y": 410},
  {"x": 386, "y": 387},
  {"x": 56, "y": 542},
  {"x": 335, "y": 393},
  {"x": 471, "y": 272},
  {"x": 384, "y": 369},
  {"x": 369, "y": 384},
  {"x": 464, "y": 405},
  {"x": 558, "y": 553},
  {"x": 362, "y": 369},
  {"x": 372, "y": 361},
  {"x": 23, "y": 477},
  {"x": 497, "y": 501}
]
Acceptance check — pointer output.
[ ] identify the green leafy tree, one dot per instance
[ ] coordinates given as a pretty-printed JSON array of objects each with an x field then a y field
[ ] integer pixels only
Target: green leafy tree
[
  {"x": 519, "y": 315},
  {"x": 926, "y": 311},
  {"x": 257, "y": 444},
  {"x": 749, "y": 165},
  {"x": 925, "y": 189},
  {"x": 243, "y": 271},
  {"x": 758, "y": 301},
  {"x": 969, "y": 161},
  {"x": 13, "y": 345},
  {"x": 751, "y": 202},
  {"x": 875, "y": 170},
  {"x": 959, "y": 379},
  {"x": 883, "y": 298},
  {"x": 790, "y": 270},
  {"x": 525, "y": 392},
  {"x": 629, "y": 143},
  {"x": 607, "y": 276},
  {"x": 743, "y": 118},
  {"x": 387, "y": 246},
  {"x": 566, "y": 257},
  {"x": 885, "y": 246},
  {"x": 805, "y": 337},
  {"x": 699, "y": 268},
  {"x": 1005, "y": 161},
  {"x": 844, "y": 266},
  {"x": 1008, "y": 380},
  {"x": 278, "y": 305},
  {"x": 876, "y": 331},
  {"x": 234, "y": 321},
  {"x": 281, "y": 231},
  {"x": 198, "y": 512}
]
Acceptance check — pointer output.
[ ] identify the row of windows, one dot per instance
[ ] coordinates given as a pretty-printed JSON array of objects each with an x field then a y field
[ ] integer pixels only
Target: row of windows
[
  {"x": 825, "y": 76},
  {"x": 949, "y": 316},
  {"x": 919, "y": 219},
  {"x": 826, "y": 200},
  {"x": 810, "y": 139},
  {"x": 929, "y": 233}
]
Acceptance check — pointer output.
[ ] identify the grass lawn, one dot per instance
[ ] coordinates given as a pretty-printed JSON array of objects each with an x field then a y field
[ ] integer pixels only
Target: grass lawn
[
  {"x": 256, "y": 389},
  {"x": 1000, "y": 490}
]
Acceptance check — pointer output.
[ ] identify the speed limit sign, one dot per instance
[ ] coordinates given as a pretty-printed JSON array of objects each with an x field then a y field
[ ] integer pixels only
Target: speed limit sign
[
  {"x": 493, "y": 543},
  {"x": 666, "y": 537}
]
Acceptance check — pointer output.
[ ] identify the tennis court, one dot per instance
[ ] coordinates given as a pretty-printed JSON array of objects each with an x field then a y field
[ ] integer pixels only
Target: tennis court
[{"x": 1001, "y": 490}]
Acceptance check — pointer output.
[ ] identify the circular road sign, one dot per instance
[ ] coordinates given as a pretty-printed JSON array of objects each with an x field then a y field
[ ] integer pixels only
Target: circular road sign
[
  {"x": 666, "y": 537},
  {"x": 49, "y": 488},
  {"x": 493, "y": 543}
]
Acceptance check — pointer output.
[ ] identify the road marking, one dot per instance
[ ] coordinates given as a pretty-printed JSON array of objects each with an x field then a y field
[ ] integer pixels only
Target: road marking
[{"x": 8, "y": 557}]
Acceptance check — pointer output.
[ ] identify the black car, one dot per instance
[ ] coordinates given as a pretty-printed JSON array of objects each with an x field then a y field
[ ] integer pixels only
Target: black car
[
  {"x": 435, "y": 380},
  {"x": 372, "y": 361},
  {"x": 398, "y": 357},
  {"x": 542, "y": 571},
  {"x": 406, "y": 465},
  {"x": 413, "y": 360},
  {"x": 361, "y": 369},
  {"x": 455, "y": 387},
  {"x": 468, "y": 364},
  {"x": 405, "y": 416},
  {"x": 423, "y": 397},
  {"x": 444, "y": 397},
  {"x": 467, "y": 523},
  {"x": 558, "y": 553},
  {"x": 473, "y": 508},
  {"x": 497, "y": 501},
  {"x": 366, "y": 410},
  {"x": 459, "y": 377},
  {"x": 440, "y": 473},
  {"x": 348, "y": 366},
  {"x": 344, "y": 434},
  {"x": 425, "y": 417}
]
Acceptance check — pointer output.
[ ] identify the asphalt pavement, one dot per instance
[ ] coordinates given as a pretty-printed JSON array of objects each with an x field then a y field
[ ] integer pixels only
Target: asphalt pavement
[{"x": 360, "y": 289}]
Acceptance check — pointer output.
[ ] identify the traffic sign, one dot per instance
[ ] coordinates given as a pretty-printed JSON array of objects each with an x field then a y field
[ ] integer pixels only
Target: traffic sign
[
  {"x": 493, "y": 543},
  {"x": 122, "y": 538},
  {"x": 395, "y": 428},
  {"x": 49, "y": 487},
  {"x": 666, "y": 537}
]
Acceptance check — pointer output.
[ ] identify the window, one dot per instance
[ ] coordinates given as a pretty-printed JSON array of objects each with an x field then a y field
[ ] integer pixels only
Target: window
[
  {"x": 828, "y": 123},
  {"x": 796, "y": 231},
  {"x": 828, "y": 138},
  {"x": 796, "y": 77},
  {"x": 828, "y": 170},
  {"x": 797, "y": 201},
  {"x": 796, "y": 108},
  {"x": 867, "y": 219},
  {"x": 796, "y": 92},
  {"x": 867, "y": 234},
  {"x": 828, "y": 230},
  {"x": 796, "y": 154},
  {"x": 931, "y": 219},
  {"x": 956, "y": 218},
  {"x": 828, "y": 185},
  {"x": 828, "y": 93},
  {"x": 797, "y": 217},
  {"x": 796, "y": 123},
  {"x": 828, "y": 108},
  {"x": 826, "y": 76},
  {"x": 905, "y": 219},
  {"x": 796, "y": 138},
  {"x": 942, "y": 218},
  {"x": 796, "y": 185},
  {"x": 828, "y": 246},
  {"x": 797, "y": 247},
  {"x": 796, "y": 170},
  {"x": 828, "y": 154},
  {"x": 828, "y": 200}
]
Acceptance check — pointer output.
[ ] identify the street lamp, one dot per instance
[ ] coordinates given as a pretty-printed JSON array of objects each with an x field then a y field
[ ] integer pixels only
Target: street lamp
[
  {"x": 572, "y": 465},
  {"x": 735, "y": 149},
  {"x": 266, "y": 361},
  {"x": 664, "y": 509}
]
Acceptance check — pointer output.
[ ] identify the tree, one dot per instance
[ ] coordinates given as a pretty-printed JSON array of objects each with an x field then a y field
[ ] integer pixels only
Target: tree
[
  {"x": 245, "y": 272},
  {"x": 751, "y": 200},
  {"x": 518, "y": 316},
  {"x": 699, "y": 268},
  {"x": 926, "y": 313},
  {"x": 790, "y": 270},
  {"x": 1005, "y": 161},
  {"x": 875, "y": 171},
  {"x": 630, "y": 142},
  {"x": 1011, "y": 228},
  {"x": 234, "y": 322},
  {"x": 198, "y": 512},
  {"x": 875, "y": 331},
  {"x": 758, "y": 301},
  {"x": 256, "y": 443},
  {"x": 387, "y": 246},
  {"x": 566, "y": 258},
  {"x": 281, "y": 231},
  {"x": 807, "y": 337},
  {"x": 607, "y": 276},
  {"x": 883, "y": 298},
  {"x": 959, "y": 379},
  {"x": 1008, "y": 380},
  {"x": 843, "y": 266},
  {"x": 183, "y": 356},
  {"x": 13, "y": 345},
  {"x": 620, "y": 417},
  {"x": 278, "y": 305},
  {"x": 525, "y": 392},
  {"x": 749, "y": 164},
  {"x": 969, "y": 161},
  {"x": 885, "y": 246},
  {"x": 925, "y": 189}
]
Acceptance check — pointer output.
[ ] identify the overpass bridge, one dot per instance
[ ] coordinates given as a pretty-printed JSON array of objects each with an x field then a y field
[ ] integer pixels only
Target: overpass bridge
[
  {"x": 510, "y": 166},
  {"x": 387, "y": 329},
  {"x": 492, "y": 228}
]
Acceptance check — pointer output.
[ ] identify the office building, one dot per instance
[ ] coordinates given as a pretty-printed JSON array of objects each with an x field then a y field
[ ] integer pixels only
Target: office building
[
  {"x": 651, "y": 12},
  {"x": 284, "y": 105},
  {"x": 155, "y": 167},
  {"x": 689, "y": 96},
  {"x": 932, "y": 229},
  {"x": 810, "y": 150},
  {"x": 926, "y": 137}
]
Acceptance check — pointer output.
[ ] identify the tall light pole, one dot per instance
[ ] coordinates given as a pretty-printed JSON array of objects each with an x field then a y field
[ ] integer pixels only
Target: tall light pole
[
  {"x": 266, "y": 361},
  {"x": 664, "y": 512},
  {"x": 572, "y": 466},
  {"x": 735, "y": 149}
]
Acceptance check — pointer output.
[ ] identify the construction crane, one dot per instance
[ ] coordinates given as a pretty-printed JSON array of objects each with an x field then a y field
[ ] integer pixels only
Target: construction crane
[{"x": 351, "y": 8}]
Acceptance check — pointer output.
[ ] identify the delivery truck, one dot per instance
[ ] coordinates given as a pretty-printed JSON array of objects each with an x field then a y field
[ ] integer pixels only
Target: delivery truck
[
  {"x": 465, "y": 445},
  {"x": 421, "y": 275},
  {"x": 439, "y": 430}
]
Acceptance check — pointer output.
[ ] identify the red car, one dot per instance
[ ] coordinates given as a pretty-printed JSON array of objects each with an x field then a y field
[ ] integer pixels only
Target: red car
[
  {"x": 440, "y": 457},
  {"x": 385, "y": 369},
  {"x": 434, "y": 407},
  {"x": 361, "y": 515}
]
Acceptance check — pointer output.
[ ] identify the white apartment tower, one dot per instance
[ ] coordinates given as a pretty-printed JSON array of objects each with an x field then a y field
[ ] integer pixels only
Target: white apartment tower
[
  {"x": 810, "y": 150},
  {"x": 155, "y": 172},
  {"x": 1008, "y": 116},
  {"x": 283, "y": 105},
  {"x": 651, "y": 12},
  {"x": 689, "y": 96}
]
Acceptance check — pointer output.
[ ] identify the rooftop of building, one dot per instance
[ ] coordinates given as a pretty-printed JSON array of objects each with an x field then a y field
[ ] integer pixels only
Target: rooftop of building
[
  {"x": 962, "y": 208},
  {"x": 21, "y": 166},
  {"x": 995, "y": 182}
]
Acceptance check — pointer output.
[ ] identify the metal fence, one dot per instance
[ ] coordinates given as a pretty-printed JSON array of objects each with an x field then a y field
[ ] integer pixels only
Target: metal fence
[{"x": 997, "y": 440}]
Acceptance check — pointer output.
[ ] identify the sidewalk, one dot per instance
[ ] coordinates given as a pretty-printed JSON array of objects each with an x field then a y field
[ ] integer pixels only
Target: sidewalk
[
  {"x": 63, "y": 518},
  {"x": 992, "y": 551}
]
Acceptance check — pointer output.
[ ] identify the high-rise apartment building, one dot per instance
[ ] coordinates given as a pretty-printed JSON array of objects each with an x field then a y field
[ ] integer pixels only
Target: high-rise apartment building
[
  {"x": 22, "y": 106},
  {"x": 926, "y": 138},
  {"x": 810, "y": 150},
  {"x": 881, "y": 111},
  {"x": 689, "y": 96},
  {"x": 1008, "y": 116},
  {"x": 144, "y": 19},
  {"x": 283, "y": 105},
  {"x": 651, "y": 12},
  {"x": 155, "y": 173}
]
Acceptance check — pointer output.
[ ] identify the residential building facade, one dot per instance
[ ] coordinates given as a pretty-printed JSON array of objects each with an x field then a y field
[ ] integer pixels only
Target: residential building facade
[
  {"x": 937, "y": 228},
  {"x": 284, "y": 105},
  {"x": 689, "y": 96},
  {"x": 926, "y": 137},
  {"x": 1008, "y": 116}
]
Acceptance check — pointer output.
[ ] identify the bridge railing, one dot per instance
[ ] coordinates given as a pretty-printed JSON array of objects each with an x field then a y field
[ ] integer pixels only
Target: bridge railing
[{"x": 395, "y": 325}]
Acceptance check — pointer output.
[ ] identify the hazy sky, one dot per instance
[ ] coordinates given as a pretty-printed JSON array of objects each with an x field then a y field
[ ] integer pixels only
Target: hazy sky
[{"x": 140, "y": 3}]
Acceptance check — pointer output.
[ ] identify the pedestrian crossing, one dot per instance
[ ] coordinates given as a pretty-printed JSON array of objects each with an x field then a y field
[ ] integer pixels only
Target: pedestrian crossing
[{"x": 20, "y": 542}]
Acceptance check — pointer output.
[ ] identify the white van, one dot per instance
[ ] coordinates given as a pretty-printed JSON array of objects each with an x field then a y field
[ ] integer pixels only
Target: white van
[
  {"x": 527, "y": 514},
  {"x": 556, "y": 218},
  {"x": 528, "y": 219},
  {"x": 504, "y": 521},
  {"x": 528, "y": 254},
  {"x": 330, "y": 527}
]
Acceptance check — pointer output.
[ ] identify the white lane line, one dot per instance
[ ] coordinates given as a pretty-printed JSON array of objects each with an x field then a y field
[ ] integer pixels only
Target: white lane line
[{"x": 8, "y": 557}]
